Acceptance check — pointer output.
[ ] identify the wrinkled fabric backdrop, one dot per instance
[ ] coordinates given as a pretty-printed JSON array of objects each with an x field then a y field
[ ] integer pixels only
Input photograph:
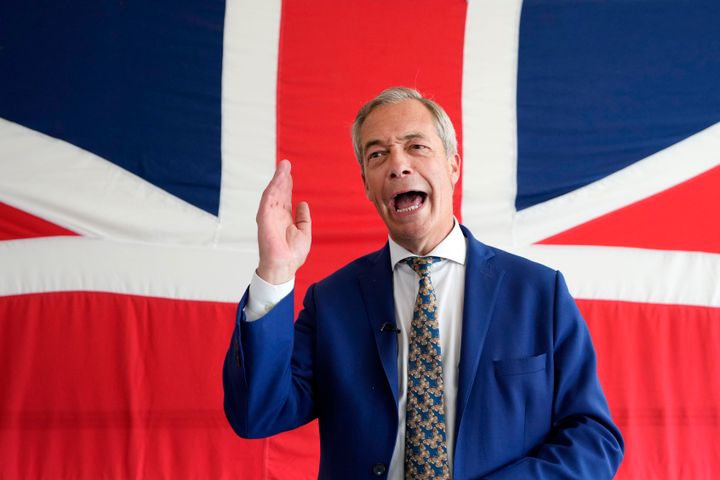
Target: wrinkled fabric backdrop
[{"x": 136, "y": 137}]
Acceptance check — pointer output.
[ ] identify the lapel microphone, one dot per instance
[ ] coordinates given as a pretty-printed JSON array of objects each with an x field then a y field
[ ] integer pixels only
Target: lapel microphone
[{"x": 389, "y": 327}]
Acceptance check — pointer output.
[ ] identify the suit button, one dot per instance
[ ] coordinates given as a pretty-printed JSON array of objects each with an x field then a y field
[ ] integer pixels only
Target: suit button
[{"x": 379, "y": 469}]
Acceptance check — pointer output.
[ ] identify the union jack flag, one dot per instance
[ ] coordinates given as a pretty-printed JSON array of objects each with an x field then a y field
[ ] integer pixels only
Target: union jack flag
[{"x": 136, "y": 138}]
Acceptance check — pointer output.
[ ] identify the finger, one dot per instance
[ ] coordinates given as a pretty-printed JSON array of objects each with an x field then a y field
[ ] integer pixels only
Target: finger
[
  {"x": 284, "y": 165},
  {"x": 279, "y": 190},
  {"x": 282, "y": 172},
  {"x": 302, "y": 217}
]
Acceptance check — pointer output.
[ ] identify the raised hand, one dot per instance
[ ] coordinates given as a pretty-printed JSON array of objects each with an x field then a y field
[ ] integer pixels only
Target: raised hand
[{"x": 283, "y": 241}]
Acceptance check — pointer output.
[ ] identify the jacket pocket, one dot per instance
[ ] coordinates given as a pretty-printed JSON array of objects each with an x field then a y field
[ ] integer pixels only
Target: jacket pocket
[{"x": 520, "y": 366}]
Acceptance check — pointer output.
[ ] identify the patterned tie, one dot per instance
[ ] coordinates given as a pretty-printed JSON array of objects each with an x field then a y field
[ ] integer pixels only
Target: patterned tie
[{"x": 425, "y": 438}]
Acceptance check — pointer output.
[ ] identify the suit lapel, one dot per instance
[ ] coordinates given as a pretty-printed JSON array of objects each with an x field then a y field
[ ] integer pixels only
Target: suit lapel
[
  {"x": 482, "y": 282},
  {"x": 376, "y": 287}
]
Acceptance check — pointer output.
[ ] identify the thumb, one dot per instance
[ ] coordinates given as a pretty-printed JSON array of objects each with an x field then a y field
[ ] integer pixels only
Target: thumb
[{"x": 302, "y": 218}]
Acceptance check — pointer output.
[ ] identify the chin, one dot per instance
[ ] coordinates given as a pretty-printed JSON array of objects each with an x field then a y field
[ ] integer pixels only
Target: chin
[{"x": 411, "y": 233}]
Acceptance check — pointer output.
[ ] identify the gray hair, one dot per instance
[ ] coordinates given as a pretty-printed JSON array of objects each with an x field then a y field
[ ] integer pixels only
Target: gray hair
[{"x": 443, "y": 125}]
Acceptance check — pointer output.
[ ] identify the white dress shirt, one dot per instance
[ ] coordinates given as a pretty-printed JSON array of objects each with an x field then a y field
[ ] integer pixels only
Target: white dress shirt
[{"x": 448, "y": 279}]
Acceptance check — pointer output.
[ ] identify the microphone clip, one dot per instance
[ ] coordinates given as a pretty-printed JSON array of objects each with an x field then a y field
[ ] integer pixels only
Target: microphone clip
[{"x": 388, "y": 327}]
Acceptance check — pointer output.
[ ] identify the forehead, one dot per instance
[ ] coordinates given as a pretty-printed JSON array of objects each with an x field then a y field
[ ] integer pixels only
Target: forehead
[{"x": 389, "y": 122}]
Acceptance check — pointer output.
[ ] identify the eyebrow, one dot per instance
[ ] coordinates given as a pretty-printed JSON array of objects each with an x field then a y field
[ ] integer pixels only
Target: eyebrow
[{"x": 406, "y": 137}]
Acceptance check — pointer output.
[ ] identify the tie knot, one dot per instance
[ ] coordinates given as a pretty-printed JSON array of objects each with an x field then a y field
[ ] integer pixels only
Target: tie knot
[{"x": 421, "y": 265}]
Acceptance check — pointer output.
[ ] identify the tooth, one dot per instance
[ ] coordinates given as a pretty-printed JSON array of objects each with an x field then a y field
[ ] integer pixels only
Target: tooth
[{"x": 407, "y": 209}]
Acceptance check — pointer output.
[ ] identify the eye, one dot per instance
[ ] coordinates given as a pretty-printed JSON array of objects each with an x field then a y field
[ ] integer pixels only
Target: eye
[
  {"x": 418, "y": 146},
  {"x": 375, "y": 154}
]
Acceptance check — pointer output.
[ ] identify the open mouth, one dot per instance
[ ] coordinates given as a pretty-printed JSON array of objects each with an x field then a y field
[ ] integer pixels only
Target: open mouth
[{"x": 409, "y": 201}]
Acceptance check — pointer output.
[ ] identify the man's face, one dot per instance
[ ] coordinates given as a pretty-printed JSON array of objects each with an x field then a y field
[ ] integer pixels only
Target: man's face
[{"x": 408, "y": 175}]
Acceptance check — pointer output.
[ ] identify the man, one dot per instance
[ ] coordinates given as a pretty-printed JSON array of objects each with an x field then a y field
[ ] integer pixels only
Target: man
[{"x": 435, "y": 357}]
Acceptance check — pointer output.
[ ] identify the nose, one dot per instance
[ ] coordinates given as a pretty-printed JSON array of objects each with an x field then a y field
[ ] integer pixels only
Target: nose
[{"x": 400, "y": 163}]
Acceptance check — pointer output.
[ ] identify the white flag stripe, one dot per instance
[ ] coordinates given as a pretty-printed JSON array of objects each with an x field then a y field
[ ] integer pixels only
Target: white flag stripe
[
  {"x": 634, "y": 274},
  {"x": 55, "y": 264},
  {"x": 250, "y": 53},
  {"x": 78, "y": 190},
  {"x": 489, "y": 118},
  {"x": 183, "y": 272},
  {"x": 667, "y": 168}
]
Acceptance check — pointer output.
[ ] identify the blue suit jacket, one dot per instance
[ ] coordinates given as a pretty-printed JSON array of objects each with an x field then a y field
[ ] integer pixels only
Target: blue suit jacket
[{"x": 529, "y": 403}]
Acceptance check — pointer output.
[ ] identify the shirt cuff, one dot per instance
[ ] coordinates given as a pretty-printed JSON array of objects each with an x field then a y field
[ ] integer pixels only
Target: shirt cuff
[{"x": 263, "y": 297}]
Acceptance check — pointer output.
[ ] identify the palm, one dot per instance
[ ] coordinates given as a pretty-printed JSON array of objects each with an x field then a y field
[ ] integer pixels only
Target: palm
[{"x": 283, "y": 241}]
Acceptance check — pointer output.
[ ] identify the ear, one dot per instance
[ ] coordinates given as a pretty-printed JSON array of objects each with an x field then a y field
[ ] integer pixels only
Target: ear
[{"x": 455, "y": 163}]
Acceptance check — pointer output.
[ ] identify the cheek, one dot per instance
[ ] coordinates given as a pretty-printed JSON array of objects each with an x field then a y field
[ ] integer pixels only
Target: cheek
[
  {"x": 366, "y": 187},
  {"x": 373, "y": 187},
  {"x": 371, "y": 192}
]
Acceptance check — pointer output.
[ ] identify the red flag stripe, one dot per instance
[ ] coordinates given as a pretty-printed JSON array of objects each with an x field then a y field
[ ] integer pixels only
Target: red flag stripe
[
  {"x": 663, "y": 391},
  {"x": 100, "y": 385},
  {"x": 360, "y": 48},
  {"x": 15, "y": 224},
  {"x": 681, "y": 218}
]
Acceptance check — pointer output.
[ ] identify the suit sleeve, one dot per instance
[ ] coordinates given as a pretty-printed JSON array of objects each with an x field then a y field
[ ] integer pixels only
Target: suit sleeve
[
  {"x": 268, "y": 370},
  {"x": 583, "y": 442}
]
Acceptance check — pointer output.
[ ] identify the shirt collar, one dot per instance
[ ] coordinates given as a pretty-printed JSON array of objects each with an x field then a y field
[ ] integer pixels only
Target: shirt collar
[{"x": 453, "y": 247}]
